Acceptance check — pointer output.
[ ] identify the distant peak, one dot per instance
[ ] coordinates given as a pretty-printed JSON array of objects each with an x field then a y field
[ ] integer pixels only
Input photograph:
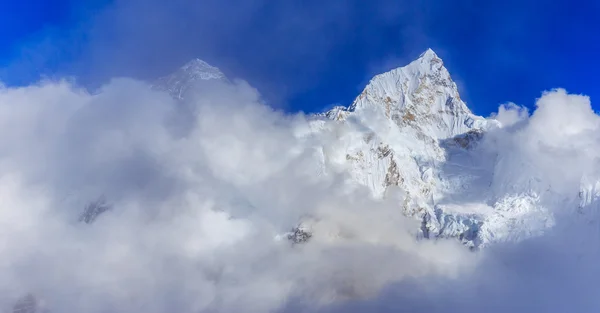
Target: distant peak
[
  {"x": 196, "y": 61},
  {"x": 197, "y": 68},
  {"x": 198, "y": 64},
  {"x": 429, "y": 54},
  {"x": 191, "y": 73}
]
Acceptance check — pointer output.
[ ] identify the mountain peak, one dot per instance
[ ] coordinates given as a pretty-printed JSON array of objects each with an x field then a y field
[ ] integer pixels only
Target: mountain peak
[
  {"x": 429, "y": 62},
  {"x": 429, "y": 54},
  {"x": 198, "y": 68},
  {"x": 420, "y": 95},
  {"x": 191, "y": 73},
  {"x": 198, "y": 64}
]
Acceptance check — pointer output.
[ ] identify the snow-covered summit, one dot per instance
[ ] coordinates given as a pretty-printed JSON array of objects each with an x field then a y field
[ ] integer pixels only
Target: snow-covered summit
[
  {"x": 420, "y": 94},
  {"x": 202, "y": 70},
  {"x": 429, "y": 53},
  {"x": 187, "y": 76},
  {"x": 409, "y": 130}
]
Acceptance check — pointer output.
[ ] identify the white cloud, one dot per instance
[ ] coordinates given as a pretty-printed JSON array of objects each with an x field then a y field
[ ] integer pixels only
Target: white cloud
[
  {"x": 510, "y": 113},
  {"x": 195, "y": 212}
]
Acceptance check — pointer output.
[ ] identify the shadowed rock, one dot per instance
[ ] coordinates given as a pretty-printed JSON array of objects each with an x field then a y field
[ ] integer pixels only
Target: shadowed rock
[
  {"x": 27, "y": 304},
  {"x": 299, "y": 235},
  {"x": 93, "y": 210}
]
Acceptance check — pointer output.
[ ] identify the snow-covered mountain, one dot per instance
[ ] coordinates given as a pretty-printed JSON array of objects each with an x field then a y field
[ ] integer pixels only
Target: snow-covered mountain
[
  {"x": 409, "y": 133},
  {"x": 413, "y": 131},
  {"x": 212, "y": 201},
  {"x": 186, "y": 77}
]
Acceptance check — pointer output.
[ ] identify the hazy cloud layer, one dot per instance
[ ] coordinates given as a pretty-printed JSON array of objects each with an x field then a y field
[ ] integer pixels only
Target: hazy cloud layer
[
  {"x": 194, "y": 215},
  {"x": 196, "y": 211}
]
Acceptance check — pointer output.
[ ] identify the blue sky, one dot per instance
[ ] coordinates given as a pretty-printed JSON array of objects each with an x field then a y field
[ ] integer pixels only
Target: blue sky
[{"x": 307, "y": 55}]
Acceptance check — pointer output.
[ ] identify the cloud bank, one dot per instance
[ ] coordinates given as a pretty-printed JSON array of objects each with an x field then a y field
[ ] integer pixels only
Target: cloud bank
[{"x": 191, "y": 211}]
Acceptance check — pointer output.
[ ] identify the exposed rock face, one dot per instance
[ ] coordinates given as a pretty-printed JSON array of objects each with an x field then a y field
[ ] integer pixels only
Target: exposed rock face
[
  {"x": 299, "y": 235},
  {"x": 93, "y": 210},
  {"x": 469, "y": 139}
]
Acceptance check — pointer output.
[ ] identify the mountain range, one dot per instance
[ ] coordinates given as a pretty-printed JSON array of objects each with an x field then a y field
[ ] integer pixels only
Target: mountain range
[
  {"x": 409, "y": 140},
  {"x": 410, "y": 133}
]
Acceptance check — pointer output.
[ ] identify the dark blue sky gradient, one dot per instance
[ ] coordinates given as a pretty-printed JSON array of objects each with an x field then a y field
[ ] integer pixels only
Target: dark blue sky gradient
[{"x": 308, "y": 55}]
